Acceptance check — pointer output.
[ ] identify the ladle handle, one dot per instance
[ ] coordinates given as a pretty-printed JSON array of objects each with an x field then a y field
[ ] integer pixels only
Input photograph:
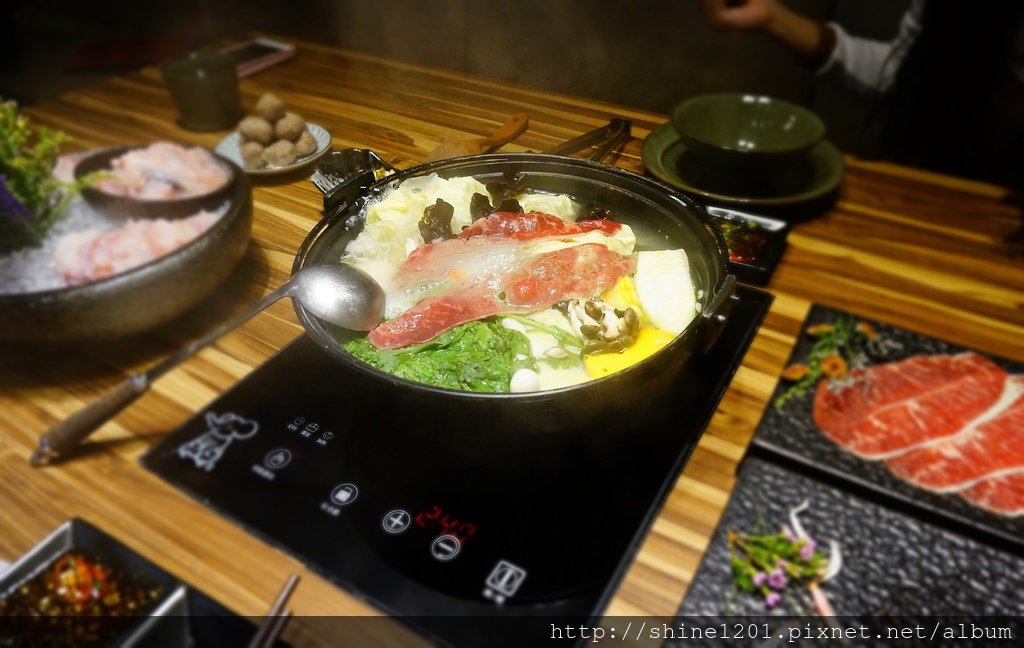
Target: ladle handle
[
  {"x": 72, "y": 430},
  {"x": 68, "y": 433}
]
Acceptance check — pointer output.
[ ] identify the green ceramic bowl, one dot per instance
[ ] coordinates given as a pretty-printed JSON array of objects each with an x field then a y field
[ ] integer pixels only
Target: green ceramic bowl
[{"x": 742, "y": 130}]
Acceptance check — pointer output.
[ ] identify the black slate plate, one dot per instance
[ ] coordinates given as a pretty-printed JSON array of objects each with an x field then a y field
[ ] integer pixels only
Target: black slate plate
[
  {"x": 179, "y": 616},
  {"x": 758, "y": 270},
  {"x": 893, "y": 564},
  {"x": 791, "y": 435}
]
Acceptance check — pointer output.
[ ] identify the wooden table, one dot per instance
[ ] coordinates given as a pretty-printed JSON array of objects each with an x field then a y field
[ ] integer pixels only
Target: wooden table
[{"x": 909, "y": 248}]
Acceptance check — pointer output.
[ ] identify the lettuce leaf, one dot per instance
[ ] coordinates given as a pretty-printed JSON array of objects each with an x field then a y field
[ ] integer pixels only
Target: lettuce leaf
[{"x": 478, "y": 356}]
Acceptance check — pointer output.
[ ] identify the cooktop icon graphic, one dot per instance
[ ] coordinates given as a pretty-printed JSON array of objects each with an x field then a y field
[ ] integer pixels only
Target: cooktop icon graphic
[
  {"x": 445, "y": 548},
  {"x": 344, "y": 494},
  {"x": 396, "y": 521},
  {"x": 277, "y": 459},
  {"x": 503, "y": 581},
  {"x": 208, "y": 448}
]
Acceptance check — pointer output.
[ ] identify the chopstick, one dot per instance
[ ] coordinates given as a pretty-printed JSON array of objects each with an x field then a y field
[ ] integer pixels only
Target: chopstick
[
  {"x": 277, "y": 628},
  {"x": 275, "y": 620}
]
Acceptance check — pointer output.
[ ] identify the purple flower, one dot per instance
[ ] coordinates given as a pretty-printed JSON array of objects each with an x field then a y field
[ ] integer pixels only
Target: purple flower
[
  {"x": 9, "y": 203},
  {"x": 776, "y": 579},
  {"x": 807, "y": 551},
  {"x": 790, "y": 536},
  {"x": 760, "y": 578},
  {"x": 772, "y": 600}
]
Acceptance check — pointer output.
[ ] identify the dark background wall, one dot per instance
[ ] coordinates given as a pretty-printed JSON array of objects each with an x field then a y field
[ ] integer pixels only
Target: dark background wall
[{"x": 644, "y": 53}]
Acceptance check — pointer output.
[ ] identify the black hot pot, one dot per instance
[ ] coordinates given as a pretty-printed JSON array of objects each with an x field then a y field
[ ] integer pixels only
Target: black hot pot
[{"x": 627, "y": 400}]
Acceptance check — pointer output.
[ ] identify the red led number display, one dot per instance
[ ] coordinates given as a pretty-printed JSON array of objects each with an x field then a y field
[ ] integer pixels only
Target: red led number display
[{"x": 436, "y": 517}]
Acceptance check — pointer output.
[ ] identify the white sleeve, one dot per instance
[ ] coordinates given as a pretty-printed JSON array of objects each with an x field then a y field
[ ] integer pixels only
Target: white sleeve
[{"x": 872, "y": 64}]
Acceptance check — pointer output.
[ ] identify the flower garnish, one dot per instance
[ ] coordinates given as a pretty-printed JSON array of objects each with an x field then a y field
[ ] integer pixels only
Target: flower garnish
[
  {"x": 838, "y": 349},
  {"x": 817, "y": 330},
  {"x": 795, "y": 372},
  {"x": 31, "y": 199},
  {"x": 807, "y": 551},
  {"x": 834, "y": 366},
  {"x": 767, "y": 564},
  {"x": 868, "y": 330},
  {"x": 770, "y": 564}
]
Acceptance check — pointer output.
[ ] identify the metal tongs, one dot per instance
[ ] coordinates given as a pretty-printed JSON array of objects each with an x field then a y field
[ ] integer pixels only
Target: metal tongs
[{"x": 610, "y": 137}]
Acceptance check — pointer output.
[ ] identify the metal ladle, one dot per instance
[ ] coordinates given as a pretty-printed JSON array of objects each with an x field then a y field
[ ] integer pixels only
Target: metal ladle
[{"x": 339, "y": 294}]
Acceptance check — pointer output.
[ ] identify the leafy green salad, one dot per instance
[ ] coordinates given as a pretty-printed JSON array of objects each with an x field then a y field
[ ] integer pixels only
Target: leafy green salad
[{"x": 476, "y": 356}]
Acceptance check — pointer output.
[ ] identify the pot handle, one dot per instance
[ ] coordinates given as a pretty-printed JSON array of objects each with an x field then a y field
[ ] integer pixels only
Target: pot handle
[
  {"x": 717, "y": 311},
  {"x": 341, "y": 197},
  {"x": 344, "y": 194}
]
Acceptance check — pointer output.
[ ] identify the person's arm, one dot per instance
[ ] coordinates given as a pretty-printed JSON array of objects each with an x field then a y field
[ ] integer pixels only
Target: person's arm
[
  {"x": 872, "y": 64},
  {"x": 866, "y": 64},
  {"x": 812, "y": 41}
]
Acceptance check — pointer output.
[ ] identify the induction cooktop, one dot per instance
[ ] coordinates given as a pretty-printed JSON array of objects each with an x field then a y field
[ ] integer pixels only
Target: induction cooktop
[{"x": 439, "y": 534}]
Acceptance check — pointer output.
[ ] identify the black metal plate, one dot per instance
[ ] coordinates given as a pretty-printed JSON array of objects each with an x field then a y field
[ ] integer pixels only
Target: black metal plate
[
  {"x": 791, "y": 435},
  {"x": 892, "y": 564},
  {"x": 195, "y": 617}
]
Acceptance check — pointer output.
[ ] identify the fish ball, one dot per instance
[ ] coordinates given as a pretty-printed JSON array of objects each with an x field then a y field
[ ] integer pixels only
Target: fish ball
[
  {"x": 269, "y": 107},
  {"x": 280, "y": 153},
  {"x": 252, "y": 155},
  {"x": 289, "y": 127},
  {"x": 256, "y": 129},
  {"x": 306, "y": 144},
  {"x": 524, "y": 380}
]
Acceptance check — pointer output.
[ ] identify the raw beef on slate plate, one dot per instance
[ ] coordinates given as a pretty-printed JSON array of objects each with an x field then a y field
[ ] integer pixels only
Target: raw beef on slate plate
[
  {"x": 887, "y": 409},
  {"x": 951, "y": 424},
  {"x": 1002, "y": 495},
  {"x": 991, "y": 446}
]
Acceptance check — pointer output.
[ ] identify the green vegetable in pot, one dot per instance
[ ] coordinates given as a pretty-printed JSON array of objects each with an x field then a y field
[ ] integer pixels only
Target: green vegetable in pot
[
  {"x": 479, "y": 356},
  {"x": 31, "y": 199}
]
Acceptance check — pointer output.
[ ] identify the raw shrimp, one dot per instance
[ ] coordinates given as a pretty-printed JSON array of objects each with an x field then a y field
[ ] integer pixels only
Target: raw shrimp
[
  {"x": 164, "y": 170},
  {"x": 91, "y": 255}
]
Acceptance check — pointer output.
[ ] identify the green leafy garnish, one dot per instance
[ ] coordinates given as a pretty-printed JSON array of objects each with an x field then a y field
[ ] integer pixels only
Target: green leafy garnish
[
  {"x": 31, "y": 199},
  {"x": 479, "y": 356},
  {"x": 837, "y": 350}
]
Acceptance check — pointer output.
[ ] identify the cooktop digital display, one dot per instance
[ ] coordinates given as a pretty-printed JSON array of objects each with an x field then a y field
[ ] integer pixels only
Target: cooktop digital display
[{"x": 433, "y": 522}]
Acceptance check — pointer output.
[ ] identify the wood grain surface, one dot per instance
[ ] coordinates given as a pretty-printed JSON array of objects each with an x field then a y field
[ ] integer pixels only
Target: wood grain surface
[{"x": 907, "y": 247}]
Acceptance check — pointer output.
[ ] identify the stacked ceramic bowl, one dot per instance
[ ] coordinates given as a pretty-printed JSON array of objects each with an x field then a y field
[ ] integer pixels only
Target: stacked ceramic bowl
[
  {"x": 744, "y": 148},
  {"x": 746, "y": 132}
]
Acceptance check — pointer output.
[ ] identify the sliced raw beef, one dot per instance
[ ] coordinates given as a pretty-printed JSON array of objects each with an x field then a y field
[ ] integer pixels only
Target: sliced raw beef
[
  {"x": 990, "y": 446},
  {"x": 573, "y": 272},
  {"x": 888, "y": 409},
  {"x": 1002, "y": 495},
  {"x": 534, "y": 225}
]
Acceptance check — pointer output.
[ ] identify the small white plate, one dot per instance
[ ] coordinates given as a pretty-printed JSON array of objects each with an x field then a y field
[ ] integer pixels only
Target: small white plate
[{"x": 230, "y": 148}]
